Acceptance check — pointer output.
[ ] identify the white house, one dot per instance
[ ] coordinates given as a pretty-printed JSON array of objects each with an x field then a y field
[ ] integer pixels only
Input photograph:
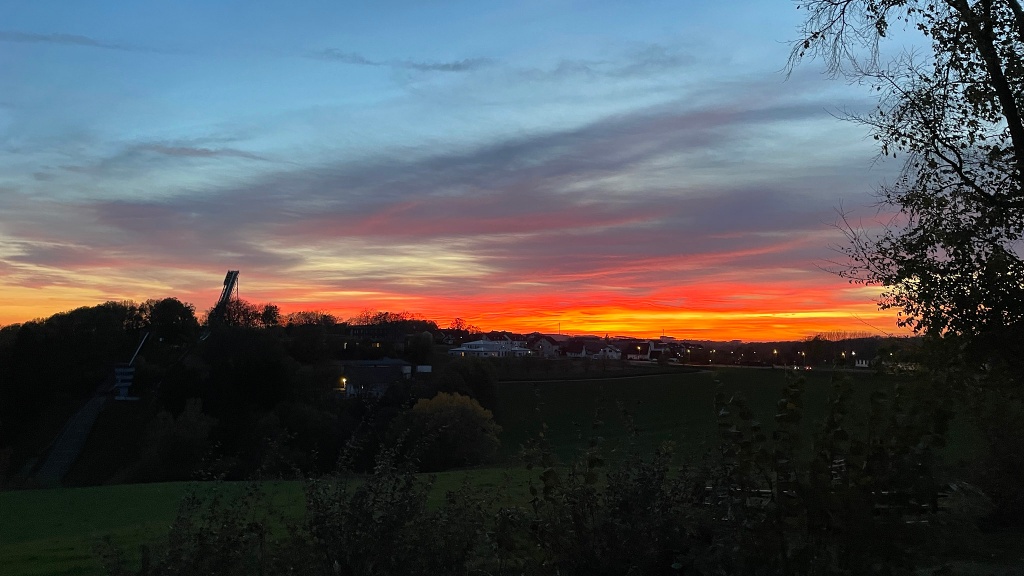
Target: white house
[
  {"x": 609, "y": 352},
  {"x": 489, "y": 349}
]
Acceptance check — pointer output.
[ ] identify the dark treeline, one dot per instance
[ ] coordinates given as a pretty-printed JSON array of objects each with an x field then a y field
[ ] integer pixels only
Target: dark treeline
[{"x": 252, "y": 393}]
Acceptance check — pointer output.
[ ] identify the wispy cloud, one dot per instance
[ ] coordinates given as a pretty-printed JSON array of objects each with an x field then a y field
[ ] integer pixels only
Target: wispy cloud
[
  {"x": 464, "y": 65},
  {"x": 652, "y": 58},
  {"x": 640, "y": 62},
  {"x": 335, "y": 55},
  {"x": 140, "y": 157},
  {"x": 64, "y": 39},
  {"x": 196, "y": 152}
]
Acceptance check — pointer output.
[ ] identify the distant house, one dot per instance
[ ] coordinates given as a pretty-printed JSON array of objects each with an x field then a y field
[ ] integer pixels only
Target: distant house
[
  {"x": 594, "y": 348},
  {"x": 577, "y": 349},
  {"x": 376, "y": 335},
  {"x": 451, "y": 336},
  {"x": 373, "y": 377},
  {"x": 543, "y": 345},
  {"x": 443, "y": 337},
  {"x": 657, "y": 349},
  {"x": 559, "y": 339},
  {"x": 489, "y": 349},
  {"x": 517, "y": 340}
]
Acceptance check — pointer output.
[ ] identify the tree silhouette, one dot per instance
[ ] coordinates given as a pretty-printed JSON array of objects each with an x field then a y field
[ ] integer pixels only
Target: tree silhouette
[{"x": 952, "y": 263}]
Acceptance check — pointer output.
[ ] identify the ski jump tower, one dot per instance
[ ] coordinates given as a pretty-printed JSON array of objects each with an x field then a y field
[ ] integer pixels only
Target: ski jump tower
[
  {"x": 229, "y": 293},
  {"x": 230, "y": 287}
]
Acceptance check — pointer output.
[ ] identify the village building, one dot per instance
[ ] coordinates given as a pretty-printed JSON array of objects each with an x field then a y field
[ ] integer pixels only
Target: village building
[
  {"x": 544, "y": 345},
  {"x": 373, "y": 377},
  {"x": 489, "y": 349}
]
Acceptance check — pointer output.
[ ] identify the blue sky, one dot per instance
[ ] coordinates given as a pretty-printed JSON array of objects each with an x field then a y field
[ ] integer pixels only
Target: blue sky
[{"x": 520, "y": 164}]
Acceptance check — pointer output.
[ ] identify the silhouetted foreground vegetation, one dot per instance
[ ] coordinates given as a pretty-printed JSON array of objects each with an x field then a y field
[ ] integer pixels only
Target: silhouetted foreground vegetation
[
  {"x": 950, "y": 106},
  {"x": 869, "y": 500}
]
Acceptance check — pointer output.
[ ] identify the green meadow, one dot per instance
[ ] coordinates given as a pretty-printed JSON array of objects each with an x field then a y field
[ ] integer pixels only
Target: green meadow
[
  {"x": 54, "y": 531},
  {"x": 673, "y": 407}
]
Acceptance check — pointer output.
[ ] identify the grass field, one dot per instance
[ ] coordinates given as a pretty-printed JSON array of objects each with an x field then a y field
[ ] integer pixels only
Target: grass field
[
  {"x": 665, "y": 407},
  {"x": 54, "y": 531}
]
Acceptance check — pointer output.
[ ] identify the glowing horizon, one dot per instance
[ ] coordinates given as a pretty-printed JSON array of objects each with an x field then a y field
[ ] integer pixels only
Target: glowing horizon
[{"x": 803, "y": 317}]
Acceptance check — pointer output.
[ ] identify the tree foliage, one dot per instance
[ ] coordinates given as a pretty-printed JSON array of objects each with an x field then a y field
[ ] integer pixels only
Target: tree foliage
[
  {"x": 951, "y": 261},
  {"x": 247, "y": 368},
  {"x": 370, "y": 317},
  {"x": 174, "y": 446},
  {"x": 449, "y": 430},
  {"x": 311, "y": 318},
  {"x": 238, "y": 313},
  {"x": 270, "y": 315},
  {"x": 170, "y": 320},
  {"x": 472, "y": 377}
]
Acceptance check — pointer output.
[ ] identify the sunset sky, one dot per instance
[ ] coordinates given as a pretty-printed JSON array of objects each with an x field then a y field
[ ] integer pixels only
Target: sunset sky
[{"x": 603, "y": 167}]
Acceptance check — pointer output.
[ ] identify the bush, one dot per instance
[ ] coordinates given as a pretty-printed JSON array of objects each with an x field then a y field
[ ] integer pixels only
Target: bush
[
  {"x": 383, "y": 526},
  {"x": 175, "y": 447},
  {"x": 448, "y": 431}
]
